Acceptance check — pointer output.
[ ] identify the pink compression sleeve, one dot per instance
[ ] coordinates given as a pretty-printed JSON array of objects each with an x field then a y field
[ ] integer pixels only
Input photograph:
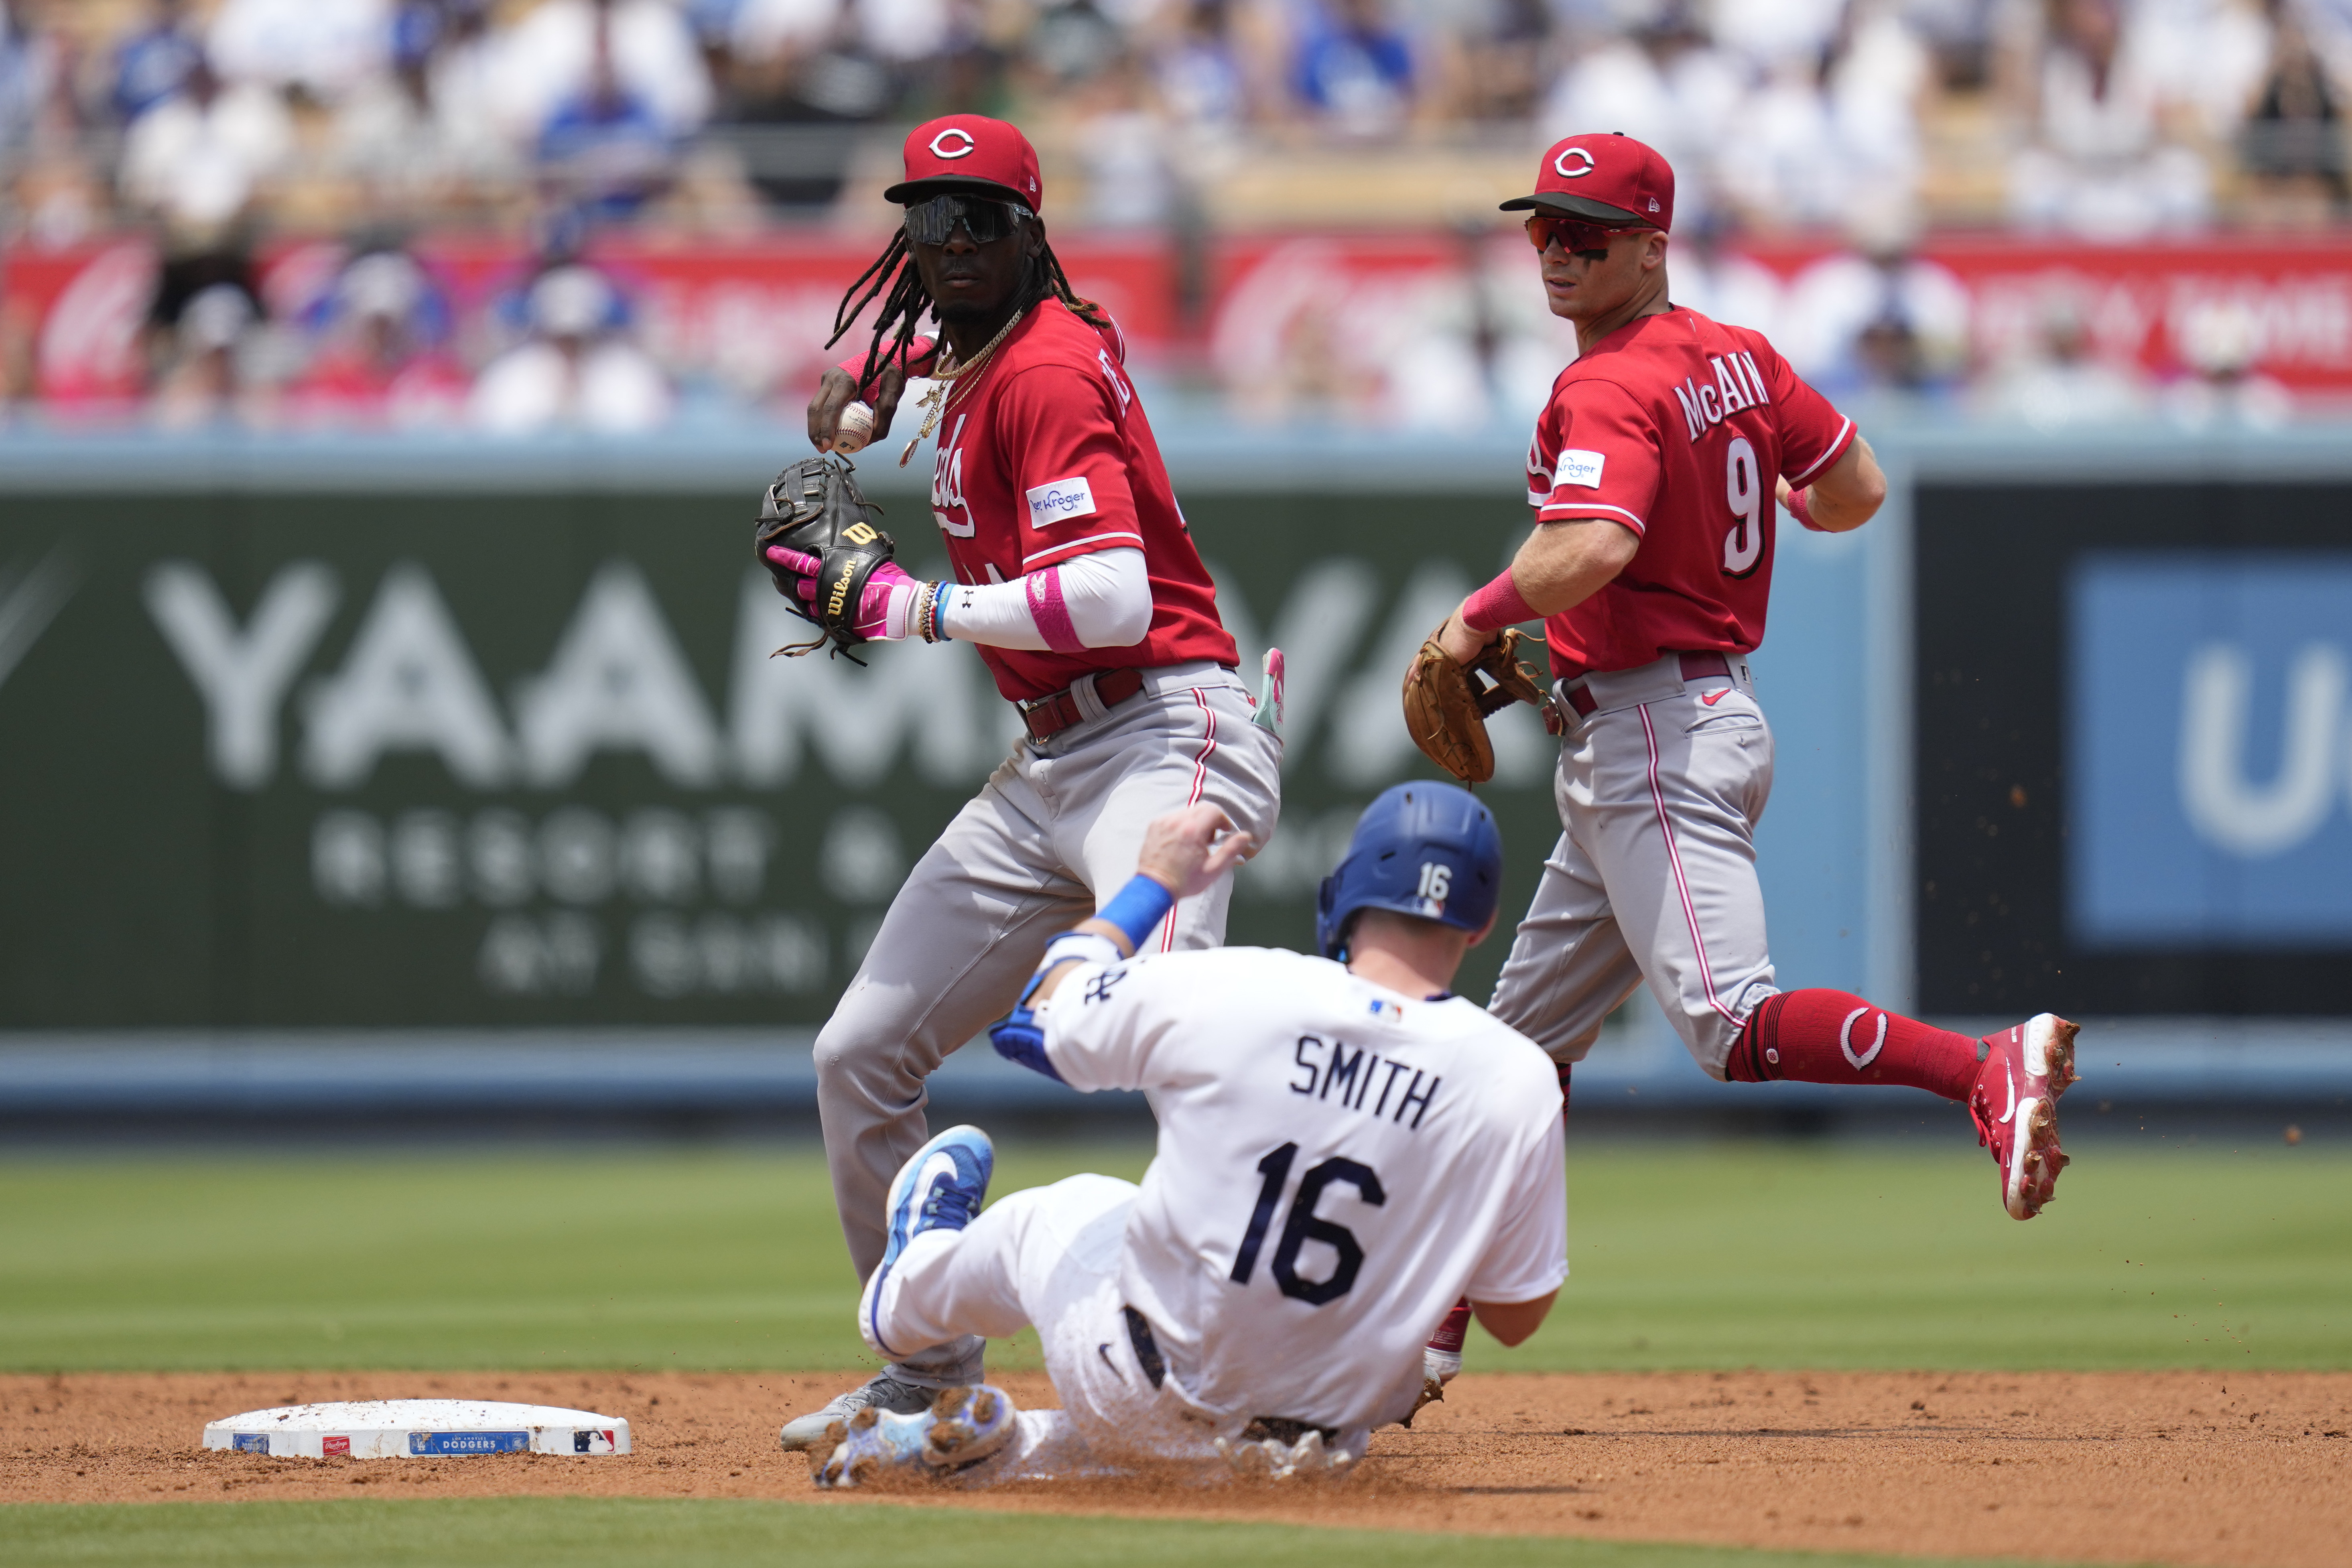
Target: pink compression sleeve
[
  {"x": 1496, "y": 606},
  {"x": 1050, "y": 611}
]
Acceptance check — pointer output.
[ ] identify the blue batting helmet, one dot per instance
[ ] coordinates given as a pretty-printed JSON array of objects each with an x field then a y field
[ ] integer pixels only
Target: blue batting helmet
[{"x": 1423, "y": 848}]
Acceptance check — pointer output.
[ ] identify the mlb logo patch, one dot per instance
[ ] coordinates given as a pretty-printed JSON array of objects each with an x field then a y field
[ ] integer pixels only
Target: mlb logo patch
[{"x": 1060, "y": 501}]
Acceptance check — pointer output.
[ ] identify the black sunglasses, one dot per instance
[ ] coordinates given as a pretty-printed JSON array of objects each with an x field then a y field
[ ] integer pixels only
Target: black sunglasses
[{"x": 934, "y": 221}]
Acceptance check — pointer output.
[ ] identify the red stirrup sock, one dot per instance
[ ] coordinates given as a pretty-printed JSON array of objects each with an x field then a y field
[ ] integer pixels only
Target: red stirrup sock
[
  {"x": 1834, "y": 1036},
  {"x": 1447, "y": 1339}
]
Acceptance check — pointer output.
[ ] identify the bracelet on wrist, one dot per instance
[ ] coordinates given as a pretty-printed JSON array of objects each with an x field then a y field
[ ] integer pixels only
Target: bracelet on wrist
[{"x": 929, "y": 610}]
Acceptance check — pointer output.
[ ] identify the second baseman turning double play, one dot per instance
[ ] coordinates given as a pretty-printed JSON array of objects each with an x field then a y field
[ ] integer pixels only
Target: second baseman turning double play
[
  {"x": 1653, "y": 473},
  {"x": 1076, "y": 578}
]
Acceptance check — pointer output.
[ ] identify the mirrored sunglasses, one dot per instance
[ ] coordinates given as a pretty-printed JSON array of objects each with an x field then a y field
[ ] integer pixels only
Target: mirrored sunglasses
[
  {"x": 1574, "y": 233},
  {"x": 934, "y": 221}
]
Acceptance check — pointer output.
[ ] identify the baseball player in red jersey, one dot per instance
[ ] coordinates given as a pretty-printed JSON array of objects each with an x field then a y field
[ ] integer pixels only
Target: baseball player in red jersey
[
  {"x": 1080, "y": 583},
  {"x": 1653, "y": 474}
]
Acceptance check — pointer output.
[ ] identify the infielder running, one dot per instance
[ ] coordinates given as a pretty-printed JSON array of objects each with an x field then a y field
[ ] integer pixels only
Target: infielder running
[
  {"x": 1076, "y": 576},
  {"x": 1344, "y": 1149},
  {"x": 1653, "y": 473}
]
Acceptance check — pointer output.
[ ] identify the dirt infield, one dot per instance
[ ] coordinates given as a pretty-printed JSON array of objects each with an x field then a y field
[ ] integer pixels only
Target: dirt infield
[{"x": 2189, "y": 1467}]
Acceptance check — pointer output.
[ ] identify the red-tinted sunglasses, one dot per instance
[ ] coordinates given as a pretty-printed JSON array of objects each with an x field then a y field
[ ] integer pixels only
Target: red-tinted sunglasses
[{"x": 1574, "y": 233}]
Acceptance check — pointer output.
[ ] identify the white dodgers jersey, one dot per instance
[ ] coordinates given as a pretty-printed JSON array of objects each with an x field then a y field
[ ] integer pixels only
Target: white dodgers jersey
[{"x": 1338, "y": 1165}]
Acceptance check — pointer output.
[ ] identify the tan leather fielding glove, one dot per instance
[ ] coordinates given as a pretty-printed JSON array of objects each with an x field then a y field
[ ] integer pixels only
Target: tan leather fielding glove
[{"x": 1446, "y": 704}]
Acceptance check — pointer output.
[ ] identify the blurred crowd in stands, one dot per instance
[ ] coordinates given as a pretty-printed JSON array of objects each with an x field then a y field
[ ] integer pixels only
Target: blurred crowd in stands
[{"x": 216, "y": 124}]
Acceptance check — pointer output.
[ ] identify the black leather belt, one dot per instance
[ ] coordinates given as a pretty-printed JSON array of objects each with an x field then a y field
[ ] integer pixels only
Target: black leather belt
[
  {"x": 1696, "y": 667},
  {"x": 1049, "y": 715},
  {"x": 1147, "y": 1349}
]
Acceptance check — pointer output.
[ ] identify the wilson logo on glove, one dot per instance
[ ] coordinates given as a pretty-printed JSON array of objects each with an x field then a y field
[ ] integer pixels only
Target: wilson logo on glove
[{"x": 814, "y": 538}]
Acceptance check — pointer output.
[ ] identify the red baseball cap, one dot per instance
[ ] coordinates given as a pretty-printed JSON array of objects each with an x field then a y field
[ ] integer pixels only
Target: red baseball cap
[
  {"x": 968, "y": 152},
  {"x": 1607, "y": 178}
]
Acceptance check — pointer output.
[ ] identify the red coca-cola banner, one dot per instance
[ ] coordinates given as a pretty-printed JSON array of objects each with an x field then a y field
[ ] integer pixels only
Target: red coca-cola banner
[{"x": 1411, "y": 328}]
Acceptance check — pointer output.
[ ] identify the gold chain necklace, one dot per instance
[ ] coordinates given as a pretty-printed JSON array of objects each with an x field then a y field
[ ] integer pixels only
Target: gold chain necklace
[{"x": 935, "y": 401}]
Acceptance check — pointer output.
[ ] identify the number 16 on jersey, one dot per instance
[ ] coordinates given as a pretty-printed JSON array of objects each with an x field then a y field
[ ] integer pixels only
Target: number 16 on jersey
[{"x": 1303, "y": 1225}]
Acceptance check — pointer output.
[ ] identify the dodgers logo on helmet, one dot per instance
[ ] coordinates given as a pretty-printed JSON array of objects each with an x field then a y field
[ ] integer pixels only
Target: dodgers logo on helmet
[{"x": 1426, "y": 849}]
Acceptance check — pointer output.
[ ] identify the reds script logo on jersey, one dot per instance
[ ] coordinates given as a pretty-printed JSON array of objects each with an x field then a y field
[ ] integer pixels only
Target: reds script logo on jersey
[
  {"x": 948, "y": 508},
  {"x": 1676, "y": 427},
  {"x": 1046, "y": 456}
]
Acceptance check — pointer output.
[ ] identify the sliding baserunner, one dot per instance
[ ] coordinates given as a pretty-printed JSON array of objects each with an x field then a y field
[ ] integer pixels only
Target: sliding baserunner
[{"x": 1345, "y": 1149}]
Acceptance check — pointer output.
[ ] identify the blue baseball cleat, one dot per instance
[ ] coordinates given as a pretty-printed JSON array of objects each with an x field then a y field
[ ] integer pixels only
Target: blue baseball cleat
[
  {"x": 940, "y": 1189},
  {"x": 877, "y": 1448}
]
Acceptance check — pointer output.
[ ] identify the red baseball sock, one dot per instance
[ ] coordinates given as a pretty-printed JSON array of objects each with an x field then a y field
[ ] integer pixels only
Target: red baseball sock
[
  {"x": 1834, "y": 1036},
  {"x": 1449, "y": 1333}
]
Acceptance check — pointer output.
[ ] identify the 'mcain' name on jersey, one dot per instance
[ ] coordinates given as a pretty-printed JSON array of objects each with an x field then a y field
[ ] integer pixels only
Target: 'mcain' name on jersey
[
  {"x": 1352, "y": 1075},
  {"x": 1737, "y": 384}
]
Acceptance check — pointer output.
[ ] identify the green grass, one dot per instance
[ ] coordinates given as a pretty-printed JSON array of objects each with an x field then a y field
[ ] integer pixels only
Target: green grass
[
  {"x": 1684, "y": 1256},
  {"x": 646, "y": 1533}
]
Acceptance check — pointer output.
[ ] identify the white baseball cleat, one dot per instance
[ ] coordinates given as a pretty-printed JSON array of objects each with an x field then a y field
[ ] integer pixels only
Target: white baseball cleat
[
  {"x": 1271, "y": 1458},
  {"x": 939, "y": 1188},
  {"x": 1438, "y": 1368},
  {"x": 875, "y": 1447},
  {"x": 2015, "y": 1107},
  {"x": 884, "y": 1392}
]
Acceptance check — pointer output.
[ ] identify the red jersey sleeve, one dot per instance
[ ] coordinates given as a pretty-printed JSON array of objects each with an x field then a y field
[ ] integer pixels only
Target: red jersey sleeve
[
  {"x": 1063, "y": 440},
  {"x": 1607, "y": 462},
  {"x": 1812, "y": 433}
]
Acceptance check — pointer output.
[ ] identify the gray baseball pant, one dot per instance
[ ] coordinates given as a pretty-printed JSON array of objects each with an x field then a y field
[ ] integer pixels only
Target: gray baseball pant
[
  {"x": 1659, "y": 791},
  {"x": 1055, "y": 830}
]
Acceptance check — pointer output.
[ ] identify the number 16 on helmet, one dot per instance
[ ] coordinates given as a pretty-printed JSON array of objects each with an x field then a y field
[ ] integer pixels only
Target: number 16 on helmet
[{"x": 1426, "y": 849}]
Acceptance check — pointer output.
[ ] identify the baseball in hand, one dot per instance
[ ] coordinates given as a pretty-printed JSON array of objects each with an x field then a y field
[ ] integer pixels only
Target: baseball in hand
[{"x": 856, "y": 428}]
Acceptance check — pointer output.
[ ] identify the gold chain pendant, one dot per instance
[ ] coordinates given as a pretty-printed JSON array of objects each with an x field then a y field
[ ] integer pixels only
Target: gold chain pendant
[{"x": 936, "y": 400}]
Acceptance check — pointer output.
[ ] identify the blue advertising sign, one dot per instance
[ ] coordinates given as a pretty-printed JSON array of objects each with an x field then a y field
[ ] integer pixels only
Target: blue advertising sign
[{"x": 2208, "y": 750}]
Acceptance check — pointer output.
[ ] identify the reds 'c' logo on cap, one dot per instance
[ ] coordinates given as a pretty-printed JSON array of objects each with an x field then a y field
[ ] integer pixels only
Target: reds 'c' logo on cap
[
  {"x": 1560, "y": 163},
  {"x": 964, "y": 150}
]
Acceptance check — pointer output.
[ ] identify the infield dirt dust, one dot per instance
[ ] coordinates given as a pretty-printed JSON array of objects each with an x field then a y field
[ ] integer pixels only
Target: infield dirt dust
[{"x": 2252, "y": 1469}]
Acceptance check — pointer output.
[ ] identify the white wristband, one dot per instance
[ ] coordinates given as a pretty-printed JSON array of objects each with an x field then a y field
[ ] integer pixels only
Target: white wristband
[{"x": 1086, "y": 946}]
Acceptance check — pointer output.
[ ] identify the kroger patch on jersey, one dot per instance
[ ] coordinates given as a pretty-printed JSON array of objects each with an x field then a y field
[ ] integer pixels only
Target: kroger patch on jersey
[
  {"x": 1061, "y": 501},
  {"x": 1579, "y": 467},
  {"x": 1737, "y": 384}
]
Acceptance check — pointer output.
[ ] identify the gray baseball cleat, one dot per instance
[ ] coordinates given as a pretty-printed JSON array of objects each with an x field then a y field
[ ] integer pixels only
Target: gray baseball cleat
[{"x": 885, "y": 1393}]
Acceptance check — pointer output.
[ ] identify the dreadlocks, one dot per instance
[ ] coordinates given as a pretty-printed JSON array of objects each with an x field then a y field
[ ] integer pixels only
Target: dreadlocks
[{"x": 906, "y": 300}]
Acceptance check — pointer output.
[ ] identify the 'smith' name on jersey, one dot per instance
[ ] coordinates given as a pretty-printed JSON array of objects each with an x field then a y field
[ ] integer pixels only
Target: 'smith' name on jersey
[
  {"x": 1353, "y": 1073},
  {"x": 1737, "y": 384}
]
